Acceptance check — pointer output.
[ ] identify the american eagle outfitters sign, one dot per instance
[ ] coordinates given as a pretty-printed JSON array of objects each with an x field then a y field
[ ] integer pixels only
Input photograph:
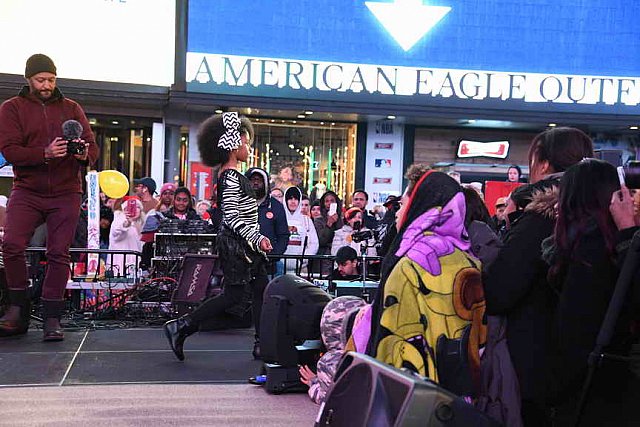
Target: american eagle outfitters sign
[{"x": 254, "y": 76}]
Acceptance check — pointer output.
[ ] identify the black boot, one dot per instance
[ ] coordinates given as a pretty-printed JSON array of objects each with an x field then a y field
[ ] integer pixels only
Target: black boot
[
  {"x": 256, "y": 349},
  {"x": 177, "y": 331},
  {"x": 52, "y": 312},
  {"x": 15, "y": 320}
]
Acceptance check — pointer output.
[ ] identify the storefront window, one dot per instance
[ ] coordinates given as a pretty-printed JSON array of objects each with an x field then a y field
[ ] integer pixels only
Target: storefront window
[
  {"x": 125, "y": 144},
  {"x": 315, "y": 155}
]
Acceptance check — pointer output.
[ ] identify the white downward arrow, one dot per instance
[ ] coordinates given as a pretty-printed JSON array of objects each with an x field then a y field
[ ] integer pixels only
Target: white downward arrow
[{"x": 407, "y": 20}]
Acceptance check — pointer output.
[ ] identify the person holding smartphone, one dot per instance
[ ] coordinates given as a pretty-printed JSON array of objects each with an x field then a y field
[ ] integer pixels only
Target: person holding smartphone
[
  {"x": 126, "y": 229},
  {"x": 585, "y": 257},
  {"x": 326, "y": 225},
  {"x": 516, "y": 284}
]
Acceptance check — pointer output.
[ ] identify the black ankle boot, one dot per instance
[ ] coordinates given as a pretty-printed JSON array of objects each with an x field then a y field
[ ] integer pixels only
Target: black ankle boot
[
  {"x": 52, "y": 312},
  {"x": 256, "y": 349},
  {"x": 177, "y": 331},
  {"x": 15, "y": 320}
]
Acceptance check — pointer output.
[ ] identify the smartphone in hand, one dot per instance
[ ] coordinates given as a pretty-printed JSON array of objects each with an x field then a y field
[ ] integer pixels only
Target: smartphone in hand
[
  {"x": 621, "y": 175},
  {"x": 333, "y": 209},
  {"x": 131, "y": 208}
]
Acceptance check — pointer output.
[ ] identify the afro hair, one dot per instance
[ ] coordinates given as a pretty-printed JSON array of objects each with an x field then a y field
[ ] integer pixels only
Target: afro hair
[{"x": 208, "y": 135}]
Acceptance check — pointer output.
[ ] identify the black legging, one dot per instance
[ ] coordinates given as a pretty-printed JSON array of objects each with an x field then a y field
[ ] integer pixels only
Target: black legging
[
  {"x": 259, "y": 285},
  {"x": 242, "y": 281}
]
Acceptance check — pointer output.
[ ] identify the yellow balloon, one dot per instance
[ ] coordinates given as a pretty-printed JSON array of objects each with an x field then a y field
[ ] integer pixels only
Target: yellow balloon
[{"x": 113, "y": 183}]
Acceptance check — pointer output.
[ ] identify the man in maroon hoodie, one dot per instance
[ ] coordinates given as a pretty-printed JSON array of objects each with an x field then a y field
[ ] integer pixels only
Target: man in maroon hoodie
[{"x": 47, "y": 187}]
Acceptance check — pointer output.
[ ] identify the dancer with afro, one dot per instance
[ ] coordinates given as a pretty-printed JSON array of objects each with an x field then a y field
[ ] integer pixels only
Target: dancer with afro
[{"x": 224, "y": 141}]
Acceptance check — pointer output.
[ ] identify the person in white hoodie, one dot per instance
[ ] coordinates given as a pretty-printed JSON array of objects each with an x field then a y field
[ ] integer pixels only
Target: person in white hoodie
[
  {"x": 344, "y": 235},
  {"x": 303, "y": 238}
]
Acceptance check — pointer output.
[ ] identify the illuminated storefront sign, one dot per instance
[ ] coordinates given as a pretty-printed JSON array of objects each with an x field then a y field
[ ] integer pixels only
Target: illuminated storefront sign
[
  {"x": 536, "y": 56},
  {"x": 495, "y": 149},
  {"x": 297, "y": 78}
]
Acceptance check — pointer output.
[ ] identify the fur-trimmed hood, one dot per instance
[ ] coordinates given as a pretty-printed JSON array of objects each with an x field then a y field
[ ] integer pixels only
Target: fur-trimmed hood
[{"x": 545, "y": 202}]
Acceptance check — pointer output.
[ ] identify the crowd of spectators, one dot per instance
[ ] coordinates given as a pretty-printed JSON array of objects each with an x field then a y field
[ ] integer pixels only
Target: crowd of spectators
[
  {"x": 543, "y": 267},
  {"x": 295, "y": 224},
  {"x": 538, "y": 277}
]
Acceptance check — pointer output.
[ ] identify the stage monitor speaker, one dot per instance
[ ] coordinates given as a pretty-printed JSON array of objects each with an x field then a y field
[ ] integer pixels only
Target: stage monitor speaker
[
  {"x": 291, "y": 315},
  {"x": 610, "y": 156},
  {"x": 370, "y": 393}
]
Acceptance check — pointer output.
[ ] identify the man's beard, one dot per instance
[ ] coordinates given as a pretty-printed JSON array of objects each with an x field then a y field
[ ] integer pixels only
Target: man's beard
[
  {"x": 39, "y": 94},
  {"x": 260, "y": 193}
]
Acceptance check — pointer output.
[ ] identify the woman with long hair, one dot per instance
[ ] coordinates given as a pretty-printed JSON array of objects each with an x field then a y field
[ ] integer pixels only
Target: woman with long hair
[
  {"x": 430, "y": 299},
  {"x": 182, "y": 207},
  {"x": 583, "y": 275},
  {"x": 224, "y": 141},
  {"x": 326, "y": 226},
  {"x": 515, "y": 284}
]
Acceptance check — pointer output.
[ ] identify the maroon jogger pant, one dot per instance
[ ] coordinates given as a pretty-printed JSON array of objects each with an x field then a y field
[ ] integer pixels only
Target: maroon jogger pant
[{"x": 25, "y": 212}]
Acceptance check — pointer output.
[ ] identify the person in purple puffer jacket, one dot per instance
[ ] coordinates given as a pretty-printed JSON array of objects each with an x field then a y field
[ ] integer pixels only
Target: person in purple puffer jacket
[{"x": 427, "y": 316}]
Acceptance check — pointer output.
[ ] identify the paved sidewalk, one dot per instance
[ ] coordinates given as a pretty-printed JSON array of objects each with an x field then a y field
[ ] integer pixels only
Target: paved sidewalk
[{"x": 153, "y": 405}]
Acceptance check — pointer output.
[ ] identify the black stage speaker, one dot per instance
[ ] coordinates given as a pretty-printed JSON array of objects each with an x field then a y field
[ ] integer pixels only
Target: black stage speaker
[
  {"x": 370, "y": 393},
  {"x": 291, "y": 315},
  {"x": 199, "y": 275},
  {"x": 194, "y": 278},
  {"x": 290, "y": 330}
]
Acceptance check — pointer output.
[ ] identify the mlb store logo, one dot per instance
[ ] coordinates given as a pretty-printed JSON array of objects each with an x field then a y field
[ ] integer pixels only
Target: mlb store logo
[{"x": 383, "y": 163}]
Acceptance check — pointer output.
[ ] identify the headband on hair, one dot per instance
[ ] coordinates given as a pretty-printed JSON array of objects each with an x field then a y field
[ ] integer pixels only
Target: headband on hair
[
  {"x": 351, "y": 213},
  {"x": 230, "y": 139}
]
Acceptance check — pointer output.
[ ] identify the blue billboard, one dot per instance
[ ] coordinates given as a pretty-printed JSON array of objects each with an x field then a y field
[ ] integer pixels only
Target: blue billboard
[{"x": 574, "y": 55}]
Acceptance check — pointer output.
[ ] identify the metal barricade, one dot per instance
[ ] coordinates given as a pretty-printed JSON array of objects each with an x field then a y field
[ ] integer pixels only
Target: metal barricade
[
  {"x": 309, "y": 267},
  {"x": 118, "y": 283},
  {"x": 115, "y": 283}
]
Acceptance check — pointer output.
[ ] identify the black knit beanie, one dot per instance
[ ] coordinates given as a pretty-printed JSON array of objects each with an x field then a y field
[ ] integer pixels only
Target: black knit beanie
[{"x": 39, "y": 63}]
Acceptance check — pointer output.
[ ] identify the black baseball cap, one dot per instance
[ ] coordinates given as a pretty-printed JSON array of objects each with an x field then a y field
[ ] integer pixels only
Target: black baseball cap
[
  {"x": 147, "y": 182},
  {"x": 390, "y": 200},
  {"x": 346, "y": 253}
]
